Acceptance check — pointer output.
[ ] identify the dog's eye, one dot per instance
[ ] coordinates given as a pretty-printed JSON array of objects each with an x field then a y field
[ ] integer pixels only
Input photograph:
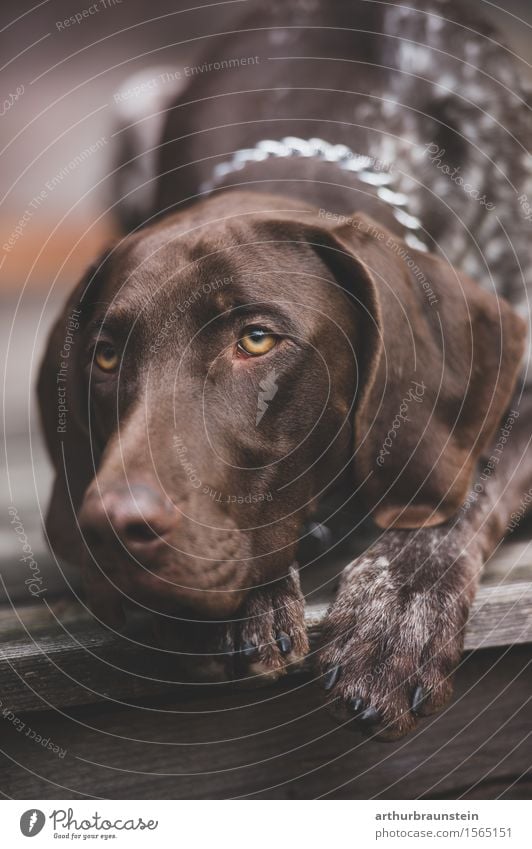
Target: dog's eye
[
  {"x": 106, "y": 356},
  {"x": 256, "y": 341}
]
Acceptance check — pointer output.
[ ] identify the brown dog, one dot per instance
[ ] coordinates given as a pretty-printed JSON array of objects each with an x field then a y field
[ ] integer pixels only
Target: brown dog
[{"x": 242, "y": 357}]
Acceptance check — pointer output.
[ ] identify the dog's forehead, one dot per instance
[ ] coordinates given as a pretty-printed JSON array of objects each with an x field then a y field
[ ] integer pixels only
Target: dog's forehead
[{"x": 200, "y": 270}]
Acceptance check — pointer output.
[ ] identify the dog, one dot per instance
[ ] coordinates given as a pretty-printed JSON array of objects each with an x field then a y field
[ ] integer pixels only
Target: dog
[{"x": 317, "y": 301}]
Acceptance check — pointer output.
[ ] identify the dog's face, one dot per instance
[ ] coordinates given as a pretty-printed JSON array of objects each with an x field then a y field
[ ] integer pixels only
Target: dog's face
[
  {"x": 219, "y": 377},
  {"x": 227, "y": 372}
]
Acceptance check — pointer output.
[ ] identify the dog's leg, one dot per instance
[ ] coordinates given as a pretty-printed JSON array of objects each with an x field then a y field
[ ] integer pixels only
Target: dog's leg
[
  {"x": 395, "y": 632},
  {"x": 265, "y": 638}
]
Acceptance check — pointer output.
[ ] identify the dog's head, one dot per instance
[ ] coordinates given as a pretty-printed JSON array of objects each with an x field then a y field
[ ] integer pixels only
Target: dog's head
[{"x": 231, "y": 363}]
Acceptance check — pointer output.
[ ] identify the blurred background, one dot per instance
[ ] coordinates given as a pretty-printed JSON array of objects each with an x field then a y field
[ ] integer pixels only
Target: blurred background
[{"x": 66, "y": 96}]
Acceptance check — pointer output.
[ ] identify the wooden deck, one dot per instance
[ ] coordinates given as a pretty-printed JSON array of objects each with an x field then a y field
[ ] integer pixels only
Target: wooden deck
[{"x": 89, "y": 713}]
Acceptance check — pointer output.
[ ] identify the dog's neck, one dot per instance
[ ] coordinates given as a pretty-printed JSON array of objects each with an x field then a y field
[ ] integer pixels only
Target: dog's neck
[{"x": 376, "y": 177}]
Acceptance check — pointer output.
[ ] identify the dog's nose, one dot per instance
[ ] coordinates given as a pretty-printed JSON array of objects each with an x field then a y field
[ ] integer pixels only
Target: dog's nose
[{"x": 138, "y": 515}]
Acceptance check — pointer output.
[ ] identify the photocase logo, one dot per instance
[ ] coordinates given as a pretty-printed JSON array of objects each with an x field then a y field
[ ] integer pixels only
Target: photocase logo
[
  {"x": 268, "y": 390},
  {"x": 32, "y": 822}
]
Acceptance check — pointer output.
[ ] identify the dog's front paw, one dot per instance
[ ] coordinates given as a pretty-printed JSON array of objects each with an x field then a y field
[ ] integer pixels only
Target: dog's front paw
[
  {"x": 265, "y": 639},
  {"x": 270, "y": 637},
  {"x": 389, "y": 647}
]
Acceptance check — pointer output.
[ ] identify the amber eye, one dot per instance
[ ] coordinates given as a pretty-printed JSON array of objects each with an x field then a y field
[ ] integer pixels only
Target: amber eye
[
  {"x": 256, "y": 341},
  {"x": 106, "y": 356}
]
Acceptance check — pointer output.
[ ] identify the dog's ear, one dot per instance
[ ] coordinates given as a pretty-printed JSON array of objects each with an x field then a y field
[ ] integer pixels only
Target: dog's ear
[
  {"x": 63, "y": 407},
  {"x": 438, "y": 360},
  {"x": 441, "y": 374}
]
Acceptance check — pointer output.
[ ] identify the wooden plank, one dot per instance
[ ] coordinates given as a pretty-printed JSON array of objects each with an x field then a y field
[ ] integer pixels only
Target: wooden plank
[
  {"x": 59, "y": 656},
  {"x": 279, "y": 743}
]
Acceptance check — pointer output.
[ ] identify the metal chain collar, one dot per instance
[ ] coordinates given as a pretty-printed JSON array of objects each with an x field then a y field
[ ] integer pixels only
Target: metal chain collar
[{"x": 366, "y": 168}]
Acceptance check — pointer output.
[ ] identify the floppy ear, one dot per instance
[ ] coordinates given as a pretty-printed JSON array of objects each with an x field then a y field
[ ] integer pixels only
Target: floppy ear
[
  {"x": 441, "y": 375},
  {"x": 438, "y": 361},
  {"x": 63, "y": 409}
]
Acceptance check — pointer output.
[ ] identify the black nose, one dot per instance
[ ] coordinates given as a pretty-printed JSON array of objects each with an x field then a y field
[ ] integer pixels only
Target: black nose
[{"x": 139, "y": 516}]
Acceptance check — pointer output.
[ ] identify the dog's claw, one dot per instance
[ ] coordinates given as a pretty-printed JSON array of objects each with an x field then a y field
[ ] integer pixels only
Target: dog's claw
[
  {"x": 370, "y": 716},
  {"x": 418, "y": 700},
  {"x": 331, "y": 677},
  {"x": 356, "y": 705},
  {"x": 284, "y": 642},
  {"x": 249, "y": 650}
]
